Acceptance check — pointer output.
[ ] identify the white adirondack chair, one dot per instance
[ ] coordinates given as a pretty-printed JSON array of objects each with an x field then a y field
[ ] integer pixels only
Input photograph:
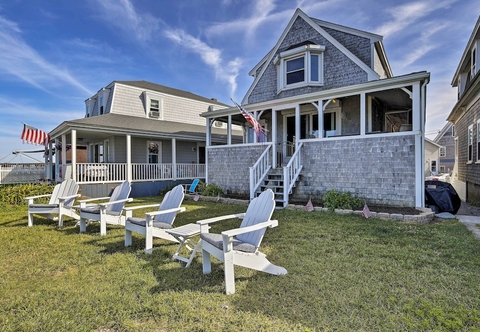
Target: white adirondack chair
[
  {"x": 61, "y": 201},
  {"x": 106, "y": 213},
  {"x": 240, "y": 246},
  {"x": 155, "y": 223}
]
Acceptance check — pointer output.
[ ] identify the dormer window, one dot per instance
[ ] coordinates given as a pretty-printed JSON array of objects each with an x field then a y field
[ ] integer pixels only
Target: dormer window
[
  {"x": 153, "y": 105},
  {"x": 300, "y": 66}
]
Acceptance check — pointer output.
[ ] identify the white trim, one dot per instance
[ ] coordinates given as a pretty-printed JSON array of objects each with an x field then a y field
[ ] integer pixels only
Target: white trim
[
  {"x": 478, "y": 141},
  {"x": 470, "y": 142}
]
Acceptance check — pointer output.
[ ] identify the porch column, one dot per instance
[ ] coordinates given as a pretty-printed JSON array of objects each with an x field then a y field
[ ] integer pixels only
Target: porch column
[
  {"x": 274, "y": 138},
  {"x": 363, "y": 114},
  {"x": 369, "y": 114},
  {"x": 74, "y": 154},
  {"x": 174, "y": 158},
  {"x": 297, "y": 125},
  {"x": 64, "y": 155},
  {"x": 320, "y": 109},
  {"x": 208, "y": 138},
  {"x": 129, "y": 158},
  {"x": 416, "y": 126},
  {"x": 229, "y": 130},
  {"x": 50, "y": 161}
]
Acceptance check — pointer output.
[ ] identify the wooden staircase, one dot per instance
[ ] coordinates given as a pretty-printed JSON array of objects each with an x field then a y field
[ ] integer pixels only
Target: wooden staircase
[{"x": 274, "y": 181}]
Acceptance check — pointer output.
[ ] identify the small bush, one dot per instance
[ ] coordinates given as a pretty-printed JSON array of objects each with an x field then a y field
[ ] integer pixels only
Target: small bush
[
  {"x": 212, "y": 190},
  {"x": 15, "y": 194},
  {"x": 201, "y": 187},
  {"x": 333, "y": 199}
]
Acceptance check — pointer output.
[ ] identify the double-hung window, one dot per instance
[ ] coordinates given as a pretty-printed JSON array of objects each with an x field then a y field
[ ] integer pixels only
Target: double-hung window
[
  {"x": 301, "y": 66},
  {"x": 470, "y": 143},
  {"x": 153, "y": 105},
  {"x": 443, "y": 151},
  {"x": 478, "y": 140}
]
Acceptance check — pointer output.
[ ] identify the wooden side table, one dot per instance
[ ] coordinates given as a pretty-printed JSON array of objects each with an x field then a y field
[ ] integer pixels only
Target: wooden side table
[{"x": 184, "y": 234}]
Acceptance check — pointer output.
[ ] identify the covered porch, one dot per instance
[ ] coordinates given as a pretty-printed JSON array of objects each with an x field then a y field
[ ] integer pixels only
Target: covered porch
[{"x": 332, "y": 139}]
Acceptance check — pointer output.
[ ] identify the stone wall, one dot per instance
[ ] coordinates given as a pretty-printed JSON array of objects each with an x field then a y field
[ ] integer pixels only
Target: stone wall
[
  {"x": 380, "y": 170},
  {"x": 229, "y": 167}
]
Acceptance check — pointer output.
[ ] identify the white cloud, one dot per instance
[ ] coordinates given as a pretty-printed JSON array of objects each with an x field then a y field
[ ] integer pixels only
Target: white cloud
[
  {"x": 224, "y": 71},
  {"x": 20, "y": 60},
  {"x": 122, "y": 15}
]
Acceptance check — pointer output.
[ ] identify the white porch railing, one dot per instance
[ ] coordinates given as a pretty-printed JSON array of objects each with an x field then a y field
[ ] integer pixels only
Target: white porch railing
[
  {"x": 291, "y": 172},
  {"x": 117, "y": 172},
  {"x": 260, "y": 170}
]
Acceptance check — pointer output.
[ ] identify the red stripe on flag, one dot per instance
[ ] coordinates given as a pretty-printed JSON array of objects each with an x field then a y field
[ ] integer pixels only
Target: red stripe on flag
[{"x": 34, "y": 136}]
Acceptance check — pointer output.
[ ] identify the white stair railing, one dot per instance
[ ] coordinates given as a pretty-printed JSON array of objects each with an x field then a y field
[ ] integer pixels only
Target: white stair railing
[
  {"x": 260, "y": 170},
  {"x": 291, "y": 173}
]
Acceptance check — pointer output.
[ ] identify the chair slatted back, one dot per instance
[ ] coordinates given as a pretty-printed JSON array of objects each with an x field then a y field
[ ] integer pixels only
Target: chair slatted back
[
  {"x": 193, "y": 186},
  {"x": 122, "y": 191},
  {"x": 66, "y": 188},
  {"x": 173, "y": 199},
  {"x": 259, "y": 210}
]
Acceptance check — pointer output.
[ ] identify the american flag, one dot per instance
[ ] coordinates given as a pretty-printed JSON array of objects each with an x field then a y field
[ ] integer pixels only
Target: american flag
[
  {"x": 34, "y": 136},
  {"x": 366, "y": 211},
  {"x": 309, "y": 207},
  {"x": 256, "y": 126}
]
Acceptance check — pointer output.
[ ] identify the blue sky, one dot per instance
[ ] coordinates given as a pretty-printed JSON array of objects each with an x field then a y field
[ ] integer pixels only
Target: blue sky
[{"x": 55, "y": 54}]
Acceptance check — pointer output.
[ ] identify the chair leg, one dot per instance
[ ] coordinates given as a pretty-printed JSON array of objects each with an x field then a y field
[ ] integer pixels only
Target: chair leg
[
  {"x": 103, "y": 227},
  {"x": 30, "y": 219},
  {"x": 60, "y": 219},
  {"x": 128, "y": 237},
  {"x": 83, "y": 225},
  {"x": 206, "y": 263},
  {"x": 229, "y": 274},
  {"x": 148, "y": 240}
]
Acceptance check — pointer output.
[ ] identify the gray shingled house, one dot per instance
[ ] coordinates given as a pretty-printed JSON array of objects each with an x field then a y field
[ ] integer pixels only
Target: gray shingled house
[
  {"x": 336, "y": 116},
  {"x": 465, "y": 116},
  {"x": 149, "y": 134}
]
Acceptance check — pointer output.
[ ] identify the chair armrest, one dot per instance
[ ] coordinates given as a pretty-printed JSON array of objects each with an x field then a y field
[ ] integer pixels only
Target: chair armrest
[
  {"x": 93, "y": 199},
  {"x": 215, "y": 219},
  {"x": 38, "y": 196},
  {"x": 256, "y": 227},
  {"x": 64, "y": 198},
  {"x": 130, "y": 208},
  {"x": 115, "y": 202},
  {"x": 151, "y": 214}
]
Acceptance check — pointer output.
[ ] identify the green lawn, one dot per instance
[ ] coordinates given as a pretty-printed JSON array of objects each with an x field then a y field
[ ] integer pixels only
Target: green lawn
[{"x": 345, "y": 273}]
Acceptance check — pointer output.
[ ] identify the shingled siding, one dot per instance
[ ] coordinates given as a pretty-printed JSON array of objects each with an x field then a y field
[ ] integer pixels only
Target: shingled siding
[
  {"x": 359, "y": 46},
  {"x": 338, "y": 69},
  {"x": 380, "y": 170},
  {"x": 468, "y": 172},
  {"x": 229, "y": 167}
]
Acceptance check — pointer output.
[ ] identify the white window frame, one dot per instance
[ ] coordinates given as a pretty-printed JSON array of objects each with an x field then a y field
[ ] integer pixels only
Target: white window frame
[
  {"x": 304, "y": 52},
  {"x": 149, "y": 96},
  {"x": 473, "y": 68},
  {"x": 478, "y": 141},
  {"x": 158, "y": 154},
  {"x": 442, "y": 168},
  {"x": 89, "y": 103},
  {"x": 443, "y": 151},
  {"x": 434, "y": 166},
  {"x": 470, "y": 144}
]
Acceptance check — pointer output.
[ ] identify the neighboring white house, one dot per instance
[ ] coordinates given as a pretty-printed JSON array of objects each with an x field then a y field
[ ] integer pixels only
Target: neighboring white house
[
  {"x": 432, "y": 157},
  {"x": 336, "y": 116},
  {"x": 149, "y": 134}
]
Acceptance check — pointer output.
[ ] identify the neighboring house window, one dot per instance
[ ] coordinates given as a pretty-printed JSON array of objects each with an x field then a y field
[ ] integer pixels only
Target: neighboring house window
[
  {"x": 474, "y": 61},
  {"x": 300, "y": 66},
  {"x": 443, "y": 151},
  {"x": 478, "y": 140},
  {"x": 154, "y": 152},
  {"x": 433, "y": 166},
  {"x": 442, "y": 169},
  {"x": 470, "y": 143},
  {"x": 154, "y": 105},
  {"x": 101, "y": 106}
]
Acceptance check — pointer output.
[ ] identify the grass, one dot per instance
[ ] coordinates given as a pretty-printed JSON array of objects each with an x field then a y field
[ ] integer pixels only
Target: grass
[{"x": 345, "y": 273}]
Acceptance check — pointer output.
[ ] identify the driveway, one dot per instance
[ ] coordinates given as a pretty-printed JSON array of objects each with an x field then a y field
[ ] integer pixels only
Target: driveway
[{"x": 470, "y": 217}]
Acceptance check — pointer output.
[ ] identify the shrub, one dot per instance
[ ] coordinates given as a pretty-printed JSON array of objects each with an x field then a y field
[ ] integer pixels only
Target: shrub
[
  {"x": 201, "y": 187},
  {"x": 212, "y": 190},
  {"x": 333, "y": 199},
  {"x": 15, "y": 194}
]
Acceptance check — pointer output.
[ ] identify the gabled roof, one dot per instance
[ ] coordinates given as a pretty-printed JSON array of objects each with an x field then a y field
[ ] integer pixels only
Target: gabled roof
[
  {"x": 317, "y": 25},
  {"x": 168, "y": 90},
  {"x": 442, "y": 132},
  {"x": 466, "y": 53},
  {"x": 433, "y": 143}
]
